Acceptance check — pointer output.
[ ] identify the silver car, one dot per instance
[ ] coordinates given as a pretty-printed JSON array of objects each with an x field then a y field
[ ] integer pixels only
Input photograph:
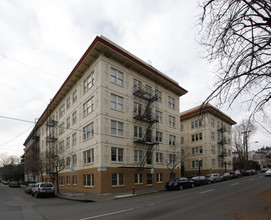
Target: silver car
[
  {"x": 214, "y": 177},
  {"x": 43, "y": 189}
]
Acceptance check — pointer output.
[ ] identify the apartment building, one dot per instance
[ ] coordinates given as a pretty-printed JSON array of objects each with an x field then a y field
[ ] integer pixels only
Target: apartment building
[
  {"x": 206, "y": 141},
  {"x": 112, "y": 125}
]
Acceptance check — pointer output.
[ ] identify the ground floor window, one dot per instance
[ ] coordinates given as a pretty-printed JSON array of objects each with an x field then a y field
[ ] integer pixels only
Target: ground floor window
[
  {"x": 61, "y": 181},
  {"x": 159, "y": 177},
  {"x": 138, "y": 178},
  {"x": 68, "y": 180},
  {"x": 89, "y": 180},
  {"x": 149, "y": 179},
  {"x": 117, "y": 179},
  {"x": 74, "y": 180}
]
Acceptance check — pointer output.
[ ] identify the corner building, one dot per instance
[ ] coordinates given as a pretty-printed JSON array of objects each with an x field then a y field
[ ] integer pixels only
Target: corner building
[
  {"x": 206, "y": 141},
  {"x": 114, "y": 123}
]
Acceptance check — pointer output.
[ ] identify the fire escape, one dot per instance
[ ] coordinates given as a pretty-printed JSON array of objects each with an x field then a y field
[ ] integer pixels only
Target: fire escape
[
  {"x": 147, "y": 121},
  {"x": 221, "y": 144},
  {"x": 51, "y": 140}
]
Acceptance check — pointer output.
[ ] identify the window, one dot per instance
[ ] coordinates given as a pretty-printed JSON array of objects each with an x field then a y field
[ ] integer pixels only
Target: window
[
  {"x": 88, "y": 131},
  {"x": 89, "y": 82},
  {"x": 74, "y": 159},
  {"x": 88, "y": 106},
  {"x": 61, "y": 147},
  {"x": 213, "y": 162},
  {"x": 117, "y": 179},
  {"x": 197, "y": 163},
  {"x": 137, "y": 132},
  {"x": 159, "y": 157},
  {"x": 196, "y": 124},
  {"x": 197, "y": 150},
  {"x": 116, "y": 128},
  {"x": 171, "y": 102},
  {"x": 137, "y": 85},
  {"x": 74, "y": 180},
  {"x": 74, "y": 96},
  {"x": 88, "y": 156},
  {"x": 159, "y": 177},
  {"x": 61, "y": 128},
  {"x": 171, "y": 121},
  {"x": 116, "y": 77},
  {"x": 212, "y": 136},
  {"x": 148, "y": 92},
  {"x": 74, "y": 117},
  {"x": 138, "y": 155},
  {"x": 68, "y": 103},
  {"x": 61, "y": 181},
  {"x": 213, "y": 150},
  {"x": 149, "y": 178},
  {"x": 212, "y": 122},
  {"x": 74, "y": 138},
  {"x": 116, "y": 154},
  {"x": 172, "y": 159},
  {"x": 61, "y": 111},
  {"x": 68, "y": 161},
  {"x": 196, "y": 137},
  {"x": 182, "y": 140},
  {"x": 68, "y": 180},
  {"x": 158, "y": 116},
  {"x": 172, "y": 140},
  {"x": 158, "y": 95},
  {"x": 181, "y": 128},
  {"x": 159, "y": 136},
  {"x": 137, "y": 108},
  {"x": 68, "y": 122},
  {"x": 149, "y": 157},
  {"x": 138, "y": 178},
  {"x": 116, "y": 102},
  {"x": 89, "y": 180}
]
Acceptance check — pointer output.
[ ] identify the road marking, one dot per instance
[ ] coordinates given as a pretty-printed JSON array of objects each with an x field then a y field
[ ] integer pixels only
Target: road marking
[
  {"x": 234, "y": 184},
  {"x": 152, "y": 204},
  {"x": 206, "y": 191},
  {"x": 107, "y": 214}
]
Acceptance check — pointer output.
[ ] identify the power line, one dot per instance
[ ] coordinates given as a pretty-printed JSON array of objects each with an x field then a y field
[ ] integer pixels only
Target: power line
[
  {"x": 32, "y": 67},
  {"x": 17, "y": 119}
]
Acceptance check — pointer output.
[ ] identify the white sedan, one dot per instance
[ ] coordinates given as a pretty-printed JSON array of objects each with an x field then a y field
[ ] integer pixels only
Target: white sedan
[{"x": 268, "y": 173}]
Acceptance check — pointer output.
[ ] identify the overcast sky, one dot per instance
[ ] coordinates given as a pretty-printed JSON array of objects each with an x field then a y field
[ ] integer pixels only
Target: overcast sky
[{"x": 41, "y": 42}]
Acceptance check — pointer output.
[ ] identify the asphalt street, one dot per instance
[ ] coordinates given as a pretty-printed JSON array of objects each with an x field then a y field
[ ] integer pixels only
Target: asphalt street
[{"x": 215, "y": 201}]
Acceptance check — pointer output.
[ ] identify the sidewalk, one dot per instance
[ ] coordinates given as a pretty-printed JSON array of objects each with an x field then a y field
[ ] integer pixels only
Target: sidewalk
[{"x": 89, "y": 197}]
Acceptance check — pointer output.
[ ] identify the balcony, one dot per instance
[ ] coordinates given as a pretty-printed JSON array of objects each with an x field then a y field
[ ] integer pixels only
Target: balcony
[
  {"x": 51, "y": 123},
  {"x": 51, "y": 138}
]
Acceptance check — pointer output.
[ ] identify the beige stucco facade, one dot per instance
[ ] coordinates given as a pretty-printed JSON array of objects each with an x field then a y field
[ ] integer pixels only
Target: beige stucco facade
[
  {"x": 95, "y": 127},
  {"x": 206, "y": 137}
]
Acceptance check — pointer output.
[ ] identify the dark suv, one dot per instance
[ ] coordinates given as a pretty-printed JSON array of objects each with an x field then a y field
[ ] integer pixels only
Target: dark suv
[{"x": 43, "y": 189}]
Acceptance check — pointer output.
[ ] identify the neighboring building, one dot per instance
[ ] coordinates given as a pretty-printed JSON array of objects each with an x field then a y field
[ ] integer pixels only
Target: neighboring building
[
  {"x": 206, "y": 141},
  {"x": 32, "y": 154},
  {"x": 261, "y": 156},
  {"x": 113, "y": 124}
]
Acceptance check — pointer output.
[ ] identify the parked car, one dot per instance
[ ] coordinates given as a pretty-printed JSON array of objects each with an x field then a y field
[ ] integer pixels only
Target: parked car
[
  {"x": 268, "y": 172},
  {"x": 226, "y": 176},
  {"x": 14, "y": 184},
  {"x": 200, "y": 180},
  {"x": 43, "y": 189},
  {"x": 179, "y": 183},
  {"x": 214, "y": 177},
  {"x": 29, "y": 187},
  {"x": 263, "y": 170}
]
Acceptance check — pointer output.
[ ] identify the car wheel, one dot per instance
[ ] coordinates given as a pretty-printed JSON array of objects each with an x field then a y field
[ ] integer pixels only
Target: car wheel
[{"x": 181, "y": 187}]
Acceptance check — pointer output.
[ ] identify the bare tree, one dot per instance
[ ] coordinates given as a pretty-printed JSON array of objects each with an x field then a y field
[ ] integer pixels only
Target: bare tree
[
  {"x": 241, "y": 135},
  {"x": 173, "y": 161},
  {"x": 237, "y": 35}
]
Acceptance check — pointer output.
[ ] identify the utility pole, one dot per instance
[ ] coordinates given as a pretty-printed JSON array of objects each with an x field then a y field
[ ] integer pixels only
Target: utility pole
[{"x": 245, "y": 143}]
